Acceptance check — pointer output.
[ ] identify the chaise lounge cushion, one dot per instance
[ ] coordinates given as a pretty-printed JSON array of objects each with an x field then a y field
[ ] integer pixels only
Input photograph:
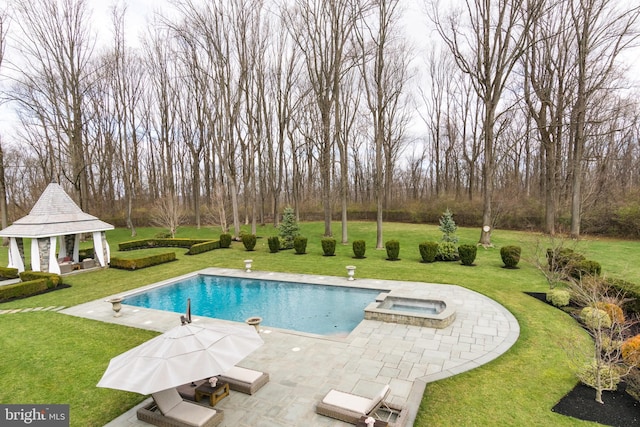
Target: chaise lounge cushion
[
  {"x": 244, "y": 380},
  {"x": 171, "y": 405},
  {"x": 354, "y": 403}
]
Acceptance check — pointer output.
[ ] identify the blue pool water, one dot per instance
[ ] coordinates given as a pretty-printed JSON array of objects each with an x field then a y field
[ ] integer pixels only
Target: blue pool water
[{"x": 316, "y": 309}]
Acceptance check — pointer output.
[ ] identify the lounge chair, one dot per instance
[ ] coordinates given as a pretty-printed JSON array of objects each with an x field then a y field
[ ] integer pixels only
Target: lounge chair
[
  {"x": 350, "y": 407},
  {"x": 244, "y": 380},
  {"x": 169, "y": 410}
]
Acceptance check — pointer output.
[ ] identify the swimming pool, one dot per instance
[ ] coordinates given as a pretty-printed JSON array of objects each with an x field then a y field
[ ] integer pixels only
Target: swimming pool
[{"x": 316, "y": 309}]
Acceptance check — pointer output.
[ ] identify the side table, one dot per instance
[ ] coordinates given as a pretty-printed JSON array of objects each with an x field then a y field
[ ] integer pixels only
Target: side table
[
  {"x": 379, "y": 423},
  {"x": 215, "y": 394}
]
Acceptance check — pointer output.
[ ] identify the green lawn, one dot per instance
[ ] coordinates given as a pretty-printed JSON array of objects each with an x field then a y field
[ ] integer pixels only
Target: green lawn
[{"x": 52, "y": 358}]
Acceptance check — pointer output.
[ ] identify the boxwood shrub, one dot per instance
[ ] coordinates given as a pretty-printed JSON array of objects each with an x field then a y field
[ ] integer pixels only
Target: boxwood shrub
[
  {"x": 300, "y": 245},
  {"x": 510, "y": 256},
  {"x": 274, "y": 244},
  {"x": 359, "y": 248},
  {"x": 428, "y": 251},
  {"x": 467, "y": 254},
  {"x": 393, "y": 250},
  {"x": 134, "y": 264},
  {"x": 249, "y": 241},
  {"x": 225, "y": 240},
  {"x": 9, "y": 273},
  {"x": 23, "y": 289},
  {"x": 328, "y": 246}
]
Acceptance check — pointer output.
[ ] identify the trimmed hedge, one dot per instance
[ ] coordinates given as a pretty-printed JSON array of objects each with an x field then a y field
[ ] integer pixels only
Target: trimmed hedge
[
  {"x": 9, "y": 273},
  {"x": 510, "y": 256},
  {"x": 359, "y": 248},
  {"x": 199, "y": 248},
  {"x": 428, "y": 251},
  {"x": 52, "y": 279},
  {"x": 328, "y": 246},
  {"x": 274, "y": 244},
  {"x": 134, "y": 264},
  {"x": 225, "y": 240},
  {"x": 23, "y": 289},
  {"x": 467, "y": 253},
  {"x": 393, "y": 250},
  {"x": 249, "y": 241},
  {"x": 203, "y": 245},
  {"x": 300, "y": 245}
]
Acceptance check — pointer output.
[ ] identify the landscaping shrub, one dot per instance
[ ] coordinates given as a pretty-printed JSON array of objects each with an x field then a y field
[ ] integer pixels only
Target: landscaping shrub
[
  {"x": 328, "y": 246},
  {"x": 428, "y": 251},
  {"x": 52, "y": 279},
  {"x": 225, "y": 240},
  {"x": 559, "y": 297},
  {"x": 631, "y": 292},
  {"x": 8, "y": 273},
  {"x": 300, "y": 245},
  {"x": 447, "y": 251},
  {"x": 615, "y": 312},
  {"x": 359, "y": 248},
  {"x": 249, "y": 241},
  {"x": 559, "y": 258},
  {"x": 289, "y": 228},
  {"x": 274, "y": 244},
  {"x": 467, "y": 254},
  {"x": 510, "y": 256},
  {"x": 134, "y": 264},
  {"x": 393, "y": 250},
  {"x": 609, "y": 376},
  {"x": 199, "y": 248},
  {"x": 448, "y": 227},
  {"x": 584, "y": 267},
  {"x": 595, "y": 318},
  {"x": 630, "y": 350},
  {"x": 23, "y": 289}
]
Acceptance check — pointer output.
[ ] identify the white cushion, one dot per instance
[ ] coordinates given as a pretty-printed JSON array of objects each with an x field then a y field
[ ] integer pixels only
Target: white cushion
[
  {"x": 348, "y": 401},
  {"x": 243, "y": 374},
  {"x": 378, "y": 398},
  {"x": 191, "y": 413},
  {"x": 167, "y": 399}
]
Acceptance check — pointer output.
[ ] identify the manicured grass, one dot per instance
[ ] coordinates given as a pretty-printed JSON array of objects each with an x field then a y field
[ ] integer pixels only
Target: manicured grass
[{"x": 52, "y": 358}]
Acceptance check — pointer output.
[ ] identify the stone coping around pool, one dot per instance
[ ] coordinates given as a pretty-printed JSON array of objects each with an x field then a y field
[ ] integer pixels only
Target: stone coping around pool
[{"x": 405, "y": 356}]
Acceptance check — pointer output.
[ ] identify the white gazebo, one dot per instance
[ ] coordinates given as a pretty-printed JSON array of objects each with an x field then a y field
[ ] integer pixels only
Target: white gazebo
[{"x": 54, "y": 226}]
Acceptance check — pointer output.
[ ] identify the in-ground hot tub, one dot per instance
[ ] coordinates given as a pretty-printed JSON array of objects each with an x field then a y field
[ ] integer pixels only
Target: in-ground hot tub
[{"x": 431, "y": 313}]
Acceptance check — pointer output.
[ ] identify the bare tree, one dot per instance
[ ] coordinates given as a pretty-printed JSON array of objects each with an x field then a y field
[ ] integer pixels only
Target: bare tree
[
  {"x": 487, "y": 50},
  {"x": 602, "y": 32},
  {"x": 383, "y": 67},
  {"x": 56, "y": 46}
]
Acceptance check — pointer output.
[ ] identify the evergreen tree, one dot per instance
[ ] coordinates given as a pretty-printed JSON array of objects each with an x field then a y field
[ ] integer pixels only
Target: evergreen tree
[
  {"x": 448, "y": 227},
  {"x": 288, "y": 228}
]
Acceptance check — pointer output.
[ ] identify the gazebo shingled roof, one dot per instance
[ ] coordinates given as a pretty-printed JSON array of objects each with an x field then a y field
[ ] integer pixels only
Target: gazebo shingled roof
[{"x": 54, "y": 214}]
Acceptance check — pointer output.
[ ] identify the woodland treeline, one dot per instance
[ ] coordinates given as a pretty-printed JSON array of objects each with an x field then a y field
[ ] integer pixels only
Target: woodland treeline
[{"x": 226, "y": 111}]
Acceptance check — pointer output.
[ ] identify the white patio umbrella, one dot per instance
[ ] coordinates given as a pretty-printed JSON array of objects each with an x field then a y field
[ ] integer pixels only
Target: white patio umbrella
[{"x": 181, "y": 355}]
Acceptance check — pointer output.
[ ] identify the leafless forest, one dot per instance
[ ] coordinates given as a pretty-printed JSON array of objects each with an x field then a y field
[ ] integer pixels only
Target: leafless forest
[{"x": 227, "y": 111}]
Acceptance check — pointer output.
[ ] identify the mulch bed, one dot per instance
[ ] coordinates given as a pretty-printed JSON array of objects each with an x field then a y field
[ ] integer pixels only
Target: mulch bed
[{"x": 619, "y": 409}]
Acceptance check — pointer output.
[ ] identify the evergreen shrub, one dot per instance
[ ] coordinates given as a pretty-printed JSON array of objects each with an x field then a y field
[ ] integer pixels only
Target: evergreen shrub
[
  {"x": 359, "y": 248},
  {"x": 249, "y": 241},
  {"x": 510, "y": 255},
  {"x": 393, "y": 250},
  {"x": 559, "y": 297},
  {"x": 584, "y": 267},
  {"x": 609, "y": 376},
  {"x": 630, "y": 350},
  {"x": 300, "y": 245},
  {"x": 595, "y": 318},
  {"x": 615, "y": 312},
  {"x": 274, "y": 244},
  {"x": 225, "y": 240},
  {"x": 467, "y": 254},
  {"x": 289, "y": 228},
  {"x": 428, "y": 251},
  {"x": 447, "y": 251},
  {"x": 328, "y": 246}
]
